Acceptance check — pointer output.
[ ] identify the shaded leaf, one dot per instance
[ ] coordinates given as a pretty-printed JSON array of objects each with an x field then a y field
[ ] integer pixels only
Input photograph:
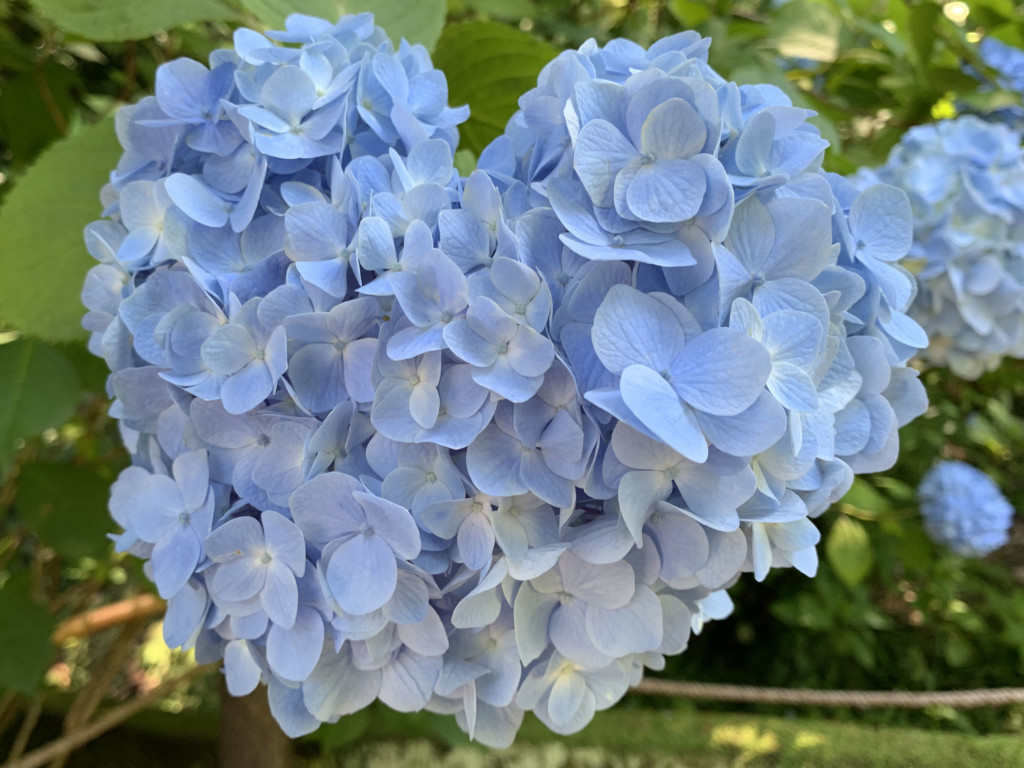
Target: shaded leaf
[
  {"x": 922, "y": 30},
  {"x": 25, "y": 650},
  {"x": 39, "y": 388},
  {"x": 348, "y": 729},
  {"x": 66, "y": 507}
]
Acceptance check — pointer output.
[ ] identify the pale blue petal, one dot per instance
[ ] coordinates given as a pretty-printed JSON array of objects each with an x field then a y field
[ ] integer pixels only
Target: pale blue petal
[
  {"x": 293, "y": 653},
  {"x": 657, "y": 406},
  {"x": 362, "y": 574},
  {"x": 392, "y": 523},
  {"x": 241, "y": 669},
  {"x": 280, "y": 595},
  {"x": 721, "y": 372},
  {"x": 665, "y": 191},
  {"x": 407, "y": 683},
  {"x": 634, "y": 628}
]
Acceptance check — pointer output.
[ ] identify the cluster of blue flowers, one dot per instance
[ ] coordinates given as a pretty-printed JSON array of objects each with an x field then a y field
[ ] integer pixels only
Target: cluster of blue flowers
[
  {"x": 490, "y": 444},
  {"x": 964, "y": 509},
  {"x": 965, "y": 180},
  {"x": 1008, "y": 62}
]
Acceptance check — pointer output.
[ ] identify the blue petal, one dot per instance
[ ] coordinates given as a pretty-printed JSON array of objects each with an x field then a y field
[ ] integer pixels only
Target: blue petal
[
  {"x": 241, "y": 669},
  {"x": 408, "y": 681},
  {"x": 362, "y": 574},
  {"x": 633, "y": 328},
  {"x": 634, "y": 628},
  {"x": 664, "y": 191},
  {"x": 293, "y": 653},
  {"x": 601, "y": 151},
  {"x": 657, "y": 406},
  {"x": 881, "y": 222},
  {"x": 280, "y": 595},
  {"x": 721, "y": 372}
]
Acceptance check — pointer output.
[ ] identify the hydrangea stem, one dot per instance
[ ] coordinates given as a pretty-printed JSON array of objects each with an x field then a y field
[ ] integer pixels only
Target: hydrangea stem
[{"x": 249, "y": 735}]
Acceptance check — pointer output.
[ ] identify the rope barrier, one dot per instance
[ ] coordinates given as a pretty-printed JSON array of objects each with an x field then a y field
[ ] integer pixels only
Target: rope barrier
[
  {"x": 803, "y": 697},
  {"x": 146, "y": 605}
]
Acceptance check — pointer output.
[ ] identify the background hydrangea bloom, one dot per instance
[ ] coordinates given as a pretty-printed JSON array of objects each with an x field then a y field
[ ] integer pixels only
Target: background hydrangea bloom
[
  {"x": 489, "y": 444},
  {"x": 964, "y": 509},
  {"x": 965, "y": 180},
  {"x": 1008, "y": 62}
]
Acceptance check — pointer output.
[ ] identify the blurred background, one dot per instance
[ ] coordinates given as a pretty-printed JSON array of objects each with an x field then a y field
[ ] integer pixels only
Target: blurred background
[{"x": 889, "y": 609}]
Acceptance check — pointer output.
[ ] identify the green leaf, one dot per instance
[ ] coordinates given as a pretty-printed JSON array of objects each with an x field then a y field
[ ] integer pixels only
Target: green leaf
[
  {"x": 804, "y": 29},
  {"x": 66, "y": 507},
  {"x": 488, "y": 66},
  {"x": 105, "y": 21},
  {"x": 511, "y": 10},
  {"x": 865, "y": 500},
  {"x": 922, "y": 30},
  {"x": 957, "y": 650},
  {"x": 43, "y": 258},
  {"x": 272, "y": 13},
  {"x": 25, "y": 649},
  {"x": 848, "y": 550},
  {"x": 39, "y": 388},
  {"x": 346, "y": 731},
  {"x": 465, "y": 161},
  {"x": 28, "y": 121},
  {"x": 689, "y": 13},
  {"x": 418, "y": 21}
]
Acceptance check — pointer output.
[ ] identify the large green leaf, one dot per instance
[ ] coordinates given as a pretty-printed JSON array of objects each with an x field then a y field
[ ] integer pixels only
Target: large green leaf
[
  {"x": 272, "y": 13},
  {"x": 43, "y": 259},
  {"x": 25, "y": 650},
  {"x": 66, "y": 507},
  {"x": 38, "y": 389},
  {"x": 418, "y": 21},
  {"x": 848, "y": 549},
  {"x": 116, "y": 20},
  {"x": 488, "y": 66}
]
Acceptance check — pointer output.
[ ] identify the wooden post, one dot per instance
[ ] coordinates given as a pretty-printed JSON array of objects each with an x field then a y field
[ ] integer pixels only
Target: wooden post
[{"x": 249, "y": 736}]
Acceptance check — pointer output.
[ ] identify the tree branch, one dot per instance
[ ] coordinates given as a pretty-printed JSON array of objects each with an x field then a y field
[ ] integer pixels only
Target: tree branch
[
  {"x": 98, "y": 619},
  {"x": 110, "y": 720}
]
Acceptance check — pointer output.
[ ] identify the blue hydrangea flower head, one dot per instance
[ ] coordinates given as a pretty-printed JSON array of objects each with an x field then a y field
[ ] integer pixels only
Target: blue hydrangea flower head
[
  {"x": 490, "y": 444},
  {"x": 965, "y": 181},
  {"x": 964, "y": 509}
]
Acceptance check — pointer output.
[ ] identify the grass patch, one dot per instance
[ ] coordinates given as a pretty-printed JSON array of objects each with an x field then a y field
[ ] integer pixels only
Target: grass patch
[{"x": 660, "y": 739}]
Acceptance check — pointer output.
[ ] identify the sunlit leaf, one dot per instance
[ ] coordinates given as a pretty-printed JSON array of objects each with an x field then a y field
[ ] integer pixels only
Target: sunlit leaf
[
  {"x": 116, "y": 20},
  {"x": 43, "y": 258},
  {"x": 488, "y": 66},
  {"x": 848, "y": 550}
]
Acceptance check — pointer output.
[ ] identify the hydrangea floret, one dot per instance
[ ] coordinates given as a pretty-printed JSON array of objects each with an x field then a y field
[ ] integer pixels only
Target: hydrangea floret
[
  {"x": 963, "y": 509},
  {"x": 488, "y": 444},
  {"x": 965, "y": 181}
]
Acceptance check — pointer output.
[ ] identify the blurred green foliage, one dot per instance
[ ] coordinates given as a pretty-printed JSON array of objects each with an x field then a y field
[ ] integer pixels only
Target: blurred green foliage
[{"x": 888, "y": 609}]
